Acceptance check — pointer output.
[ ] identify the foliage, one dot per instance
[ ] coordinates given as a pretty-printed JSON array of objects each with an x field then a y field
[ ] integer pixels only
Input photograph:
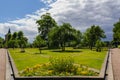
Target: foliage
[
  {"x": 98, "y": 45},
  {"x": 58, "y": 67},
  {"x": 116, "y": 33},
  {"x": 118, "y": 46},
  {"x": 64, "y": 34},
  {"x": 1, "y": 42},
  {"x": 12, "y": 43},
  {"x": 62, "y": 64},
  {"x": 46, "y": 23},
  {"x": 15, "y": 36},
  {"x": 92, "y": 35},
  {"x": 15, "y": 40},
  {"x": 22, "y": 41},
  {"x": 39, "y": 42}
]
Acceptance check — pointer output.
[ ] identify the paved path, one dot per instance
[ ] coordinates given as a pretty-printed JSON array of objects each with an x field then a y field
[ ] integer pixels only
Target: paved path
[
  {"x": 2, "y": 64},
  {"x": 116, "y": 63}
]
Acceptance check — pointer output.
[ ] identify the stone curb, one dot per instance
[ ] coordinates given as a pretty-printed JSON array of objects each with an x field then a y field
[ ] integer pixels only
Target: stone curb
[{"x": 110, "y": 69}]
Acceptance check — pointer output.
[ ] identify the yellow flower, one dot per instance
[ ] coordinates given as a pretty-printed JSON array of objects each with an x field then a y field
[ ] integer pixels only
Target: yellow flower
[
  {"x": 84, "y": 72},
  {"x": 27, "y": 69},
  {"x": 50, "y": 71}
]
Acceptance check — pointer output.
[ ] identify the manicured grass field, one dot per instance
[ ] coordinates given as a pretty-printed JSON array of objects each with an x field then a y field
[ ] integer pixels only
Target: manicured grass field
[{"x": 32, "y": 57}]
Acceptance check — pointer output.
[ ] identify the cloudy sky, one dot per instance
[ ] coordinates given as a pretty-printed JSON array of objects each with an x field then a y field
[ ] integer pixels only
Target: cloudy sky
[{"x": 22, "y": 14}]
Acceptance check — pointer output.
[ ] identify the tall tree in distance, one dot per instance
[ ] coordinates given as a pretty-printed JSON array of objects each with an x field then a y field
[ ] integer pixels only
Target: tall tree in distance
[
  {"x": 39, "y": 42},
  {"x": 14, "y": 36},
  {"x": 14, "y": 40},
  {"x": 1, "y": 42},
  {"x": 22, "y": 40},
  {"x": 46, "y": 23},
  {"x": 116, "y": 33},
  {"x": 93, "y": 34}
]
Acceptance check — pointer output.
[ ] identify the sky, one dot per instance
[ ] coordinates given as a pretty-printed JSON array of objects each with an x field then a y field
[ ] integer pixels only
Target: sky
[{"x": 81, "y": 14}]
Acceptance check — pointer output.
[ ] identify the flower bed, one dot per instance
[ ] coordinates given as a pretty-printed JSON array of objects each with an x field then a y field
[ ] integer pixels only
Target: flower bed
[{"x": 60, "y": 66}]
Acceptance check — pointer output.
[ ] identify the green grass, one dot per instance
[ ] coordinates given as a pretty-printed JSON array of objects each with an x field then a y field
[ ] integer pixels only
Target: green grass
[{"x": 32, "y": 57}]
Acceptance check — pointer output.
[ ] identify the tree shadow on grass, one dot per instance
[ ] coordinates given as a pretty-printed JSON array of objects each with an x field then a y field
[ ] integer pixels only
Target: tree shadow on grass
[
  {"x": 67, "y": 51},
  {"x": 38, "y": 53},
  {"x": 101, "y": 50}
]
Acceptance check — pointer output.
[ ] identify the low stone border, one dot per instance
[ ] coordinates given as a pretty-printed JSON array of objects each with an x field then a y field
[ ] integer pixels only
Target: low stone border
[
  {"x": 110, "y": 68},
  {"x": 102, "y": 75}
]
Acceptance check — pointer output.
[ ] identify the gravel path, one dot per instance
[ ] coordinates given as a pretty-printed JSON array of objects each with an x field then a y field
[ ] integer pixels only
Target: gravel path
[
  {"x": 116, "y": 63},
  {"x": 2, "y": 64}
]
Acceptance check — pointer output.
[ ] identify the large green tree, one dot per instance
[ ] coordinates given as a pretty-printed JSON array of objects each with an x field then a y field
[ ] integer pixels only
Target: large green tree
[
  {"x": 92, "y": 35},
  {"x": 46, "y": 23},
  {"x": 14, "y": 40},
  {"x": 78, "y": 38},
  {"x": 116, "y": 33},
  {"x": 14, "y": 36},
  {"x": 22, "y": 40},
  {"x": 63, "y": 34}
]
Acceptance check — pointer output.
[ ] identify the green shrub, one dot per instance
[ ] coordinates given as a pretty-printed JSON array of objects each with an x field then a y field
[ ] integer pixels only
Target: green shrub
[
  {"x": 118, "y": 46},
  {"x": 98, "y": 46},
  {"x": 62, "y": 64}
]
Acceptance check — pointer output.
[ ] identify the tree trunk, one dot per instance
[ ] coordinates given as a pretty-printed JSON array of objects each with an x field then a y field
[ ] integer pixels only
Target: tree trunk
[
  {"x": 63, "y": 47},
  {"x": 91, "y": 47},
  {"x": 22, "y": 50},
  {"x": 40, "y": 50}
]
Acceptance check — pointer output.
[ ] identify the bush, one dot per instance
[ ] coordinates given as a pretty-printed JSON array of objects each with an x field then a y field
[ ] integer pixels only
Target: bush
[
  {"x": 118, "y": 46},
  {"x": 98, "y": 46},
  {"x": 62, "y": 64}
]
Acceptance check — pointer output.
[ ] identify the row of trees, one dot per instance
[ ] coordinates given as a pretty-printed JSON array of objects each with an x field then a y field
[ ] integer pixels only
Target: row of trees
[
  {"x": 60, "y": 36},
  {"x": 52, "y": 35},
  {"x": 15, "y": 40}
]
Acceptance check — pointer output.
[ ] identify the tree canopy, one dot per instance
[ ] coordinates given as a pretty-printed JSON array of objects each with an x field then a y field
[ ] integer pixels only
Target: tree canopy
[
  {"x": 92, "y": 35},
  {"x": 116, "y": 33},
  {"x": 63, "y": 34},
  {"x": 46, "y": 23},
  {"x": 39, "y": 42}
]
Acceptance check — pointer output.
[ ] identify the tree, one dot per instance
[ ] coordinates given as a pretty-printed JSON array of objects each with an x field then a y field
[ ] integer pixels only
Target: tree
[
  {"x": 63, "y": 34},
  {"x": 116, "y": 33},
  {"x": 12, "y": 44},
  {"x": 46, "y": 23},
  {"x": 39, "y": 42},
  {"x": 1, "y": 42},
  {"x": 14, "y": 40},
  {"x": 93, "y": 34},
  {"x": 20, "y": 34},
  {"x": 22, "y": 41},
  {"x": 98, "y": 45},
  {"x": 8, "y": 38},
  {"x": 77, "y": 39},
  {"x": 15, "y": 35},
  {"x": 53, "y": 38}
]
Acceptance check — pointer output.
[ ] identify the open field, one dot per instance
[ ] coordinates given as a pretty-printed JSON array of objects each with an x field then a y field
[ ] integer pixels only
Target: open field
[{"x": 32, "y": 57}]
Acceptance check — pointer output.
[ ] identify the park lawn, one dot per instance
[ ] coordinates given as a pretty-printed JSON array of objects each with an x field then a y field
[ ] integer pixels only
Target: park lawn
[{"x": 32, "y": 57}]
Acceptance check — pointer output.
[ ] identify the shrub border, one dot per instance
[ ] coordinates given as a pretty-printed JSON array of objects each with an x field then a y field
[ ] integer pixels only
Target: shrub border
[{"x": 102, "y": 75}]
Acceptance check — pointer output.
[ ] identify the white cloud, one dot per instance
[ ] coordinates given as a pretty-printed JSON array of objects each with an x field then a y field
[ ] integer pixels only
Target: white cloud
[
  {"x": 48, "y": 1},
  {"x": 80, "y": 13},
  {"x": 84, "y": 13},
  {"x": 27, "y": 25}
]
